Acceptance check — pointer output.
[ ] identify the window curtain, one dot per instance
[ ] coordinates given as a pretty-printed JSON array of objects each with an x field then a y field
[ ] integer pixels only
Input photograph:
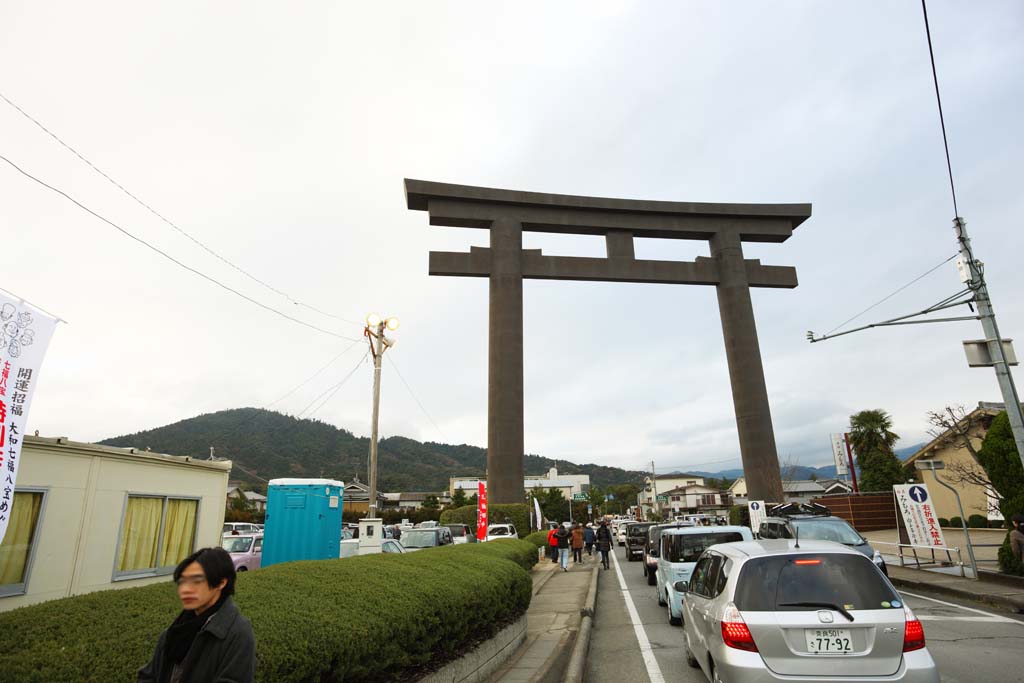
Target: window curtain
[
  {"x": 179, "y": 531},
  {"x": 21, "y": 531},
  {"x": 139, "y": 533}
]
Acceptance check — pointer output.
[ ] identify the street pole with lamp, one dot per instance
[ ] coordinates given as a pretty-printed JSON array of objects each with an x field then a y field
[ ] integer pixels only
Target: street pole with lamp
[
  {"x": 939, "y": 465},
  {"x": 374, "y": 332}
]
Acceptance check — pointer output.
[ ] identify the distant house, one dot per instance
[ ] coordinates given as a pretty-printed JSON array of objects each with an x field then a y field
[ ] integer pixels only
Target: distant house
[
  {"x": 413, "y": 500},
  {"x": 802, "y": 491},
  {"x": 568, "y": 484},
  {"x": 257, "y": 500},
  {"x": 835, "y": 486},
  {"x": 695, "y": 499},
  {"x": 88, "y": 517},
  {"x": 356, "y": 497}
]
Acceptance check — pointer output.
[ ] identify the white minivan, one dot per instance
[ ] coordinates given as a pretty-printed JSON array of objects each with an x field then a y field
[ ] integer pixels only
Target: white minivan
[{"x": 680, "y": 548}]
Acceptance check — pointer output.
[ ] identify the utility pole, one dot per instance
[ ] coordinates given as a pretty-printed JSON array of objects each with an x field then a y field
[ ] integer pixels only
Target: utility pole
[
  {"x": 654, "y": 495},
  {"x": 975, "y": 279},
  {"x": 378, "y": 344}
]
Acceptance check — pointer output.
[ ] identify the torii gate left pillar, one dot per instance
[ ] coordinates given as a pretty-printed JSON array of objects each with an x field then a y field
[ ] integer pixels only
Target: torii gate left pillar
[{"x": 507, "y": 213}]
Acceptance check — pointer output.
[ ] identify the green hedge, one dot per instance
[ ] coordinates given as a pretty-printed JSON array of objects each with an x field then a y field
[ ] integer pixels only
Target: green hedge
[
  {"x": 538, "y": 538},
  {"x": 943, "y": 522},
  {"x": 519, "y": 513},
  {"x": 739, "y": 515},
  {"x": 369, "y": 618},
  {"x": 956, "y": 522},
  {"x": 977, "y": 522}
]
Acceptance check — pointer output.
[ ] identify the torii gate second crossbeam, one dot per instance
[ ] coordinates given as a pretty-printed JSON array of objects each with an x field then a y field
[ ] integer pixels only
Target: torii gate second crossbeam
[{"x": 507, "y": 213}]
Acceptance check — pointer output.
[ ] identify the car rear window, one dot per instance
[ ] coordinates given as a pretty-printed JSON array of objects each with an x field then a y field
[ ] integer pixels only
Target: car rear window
[
  {"x": 852, "y": 582},
  {"x": 457, "y": 529},
  {"x": 688, "y": 547},
  {"x": 637, "y": 529}
]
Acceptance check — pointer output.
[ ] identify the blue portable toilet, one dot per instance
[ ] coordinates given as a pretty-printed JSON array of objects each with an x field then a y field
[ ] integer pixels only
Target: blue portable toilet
[{"x": 303, "y": 520}]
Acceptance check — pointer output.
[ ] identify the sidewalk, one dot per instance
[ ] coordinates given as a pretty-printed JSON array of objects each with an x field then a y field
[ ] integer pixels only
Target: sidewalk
[
  {"x": 553, "y": 620},
  {"x": 998, "y": 594}
]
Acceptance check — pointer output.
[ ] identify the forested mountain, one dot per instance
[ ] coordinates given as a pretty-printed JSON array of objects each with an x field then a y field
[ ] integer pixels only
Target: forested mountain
[{"x": 265, "y": 444}]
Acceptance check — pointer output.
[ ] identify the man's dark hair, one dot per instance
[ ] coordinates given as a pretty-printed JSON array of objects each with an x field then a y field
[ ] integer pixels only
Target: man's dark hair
[{"x": 216, "y": 564}]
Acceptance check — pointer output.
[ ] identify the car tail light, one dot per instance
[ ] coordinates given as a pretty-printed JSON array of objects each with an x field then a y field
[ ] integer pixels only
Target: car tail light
[
  {"x": 735, "y": 633},
  {"x": 913, "y": 632}
]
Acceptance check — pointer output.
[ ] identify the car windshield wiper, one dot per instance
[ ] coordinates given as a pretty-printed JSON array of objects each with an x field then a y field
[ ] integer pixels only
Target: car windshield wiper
[{"x": 818, "y": 604}]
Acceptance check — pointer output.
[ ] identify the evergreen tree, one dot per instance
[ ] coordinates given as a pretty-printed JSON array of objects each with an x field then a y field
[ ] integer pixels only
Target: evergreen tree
[
  {"x": 431, "y": 502},
  {"x": 459, "y": 499},
  {"x": 872, "y": 439}
]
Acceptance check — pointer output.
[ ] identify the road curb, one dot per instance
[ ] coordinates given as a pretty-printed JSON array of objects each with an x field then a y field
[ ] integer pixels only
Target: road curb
[
  {"x": 578, "y": 659},
  {"x": 478, "y": 665},
  {"x": 1013, "y": 604}
]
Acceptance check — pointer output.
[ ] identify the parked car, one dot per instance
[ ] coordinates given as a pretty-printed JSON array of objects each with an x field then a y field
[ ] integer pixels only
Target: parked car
[
  {"x": 496, "y": 531},
  {"x": 417, "y": 539},
  {"x": 652, "y": 548},
  {"x": 816, "y": 522},
  {"x": 429, "y": 524},
  {"x": 636, "y": 538},
  {"x": 774, "y": 611},
  {"x": 246, "y": 550},
  {"x": 240, "y": 527},
  {"x": 680, "y": 549},
  {"x": 620, "y": 535},
  {"x": 461, "y": 533},
  {"x": 350, "y": 548}
]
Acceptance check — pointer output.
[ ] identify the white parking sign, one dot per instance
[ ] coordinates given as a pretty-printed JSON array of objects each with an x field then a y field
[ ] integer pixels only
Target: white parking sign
[{"x": 757, "y": 514}]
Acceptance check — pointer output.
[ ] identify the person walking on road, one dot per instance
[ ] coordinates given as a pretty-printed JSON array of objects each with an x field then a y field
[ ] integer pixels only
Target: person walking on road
[
  {"x": 577, "y": 543},
  {"x": 210, "y": 640},
  {"x": 553, "y": 543},
  {"x": 604, "y": 542},
  {"x": 589, "y": 537},
  {"x": 563, "y": 537},
  {"x": 1017, "y": 538}
]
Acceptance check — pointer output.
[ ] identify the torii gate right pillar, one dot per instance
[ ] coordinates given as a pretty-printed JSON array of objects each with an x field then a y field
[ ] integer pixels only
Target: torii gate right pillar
[{"x": 746, "y": 372}]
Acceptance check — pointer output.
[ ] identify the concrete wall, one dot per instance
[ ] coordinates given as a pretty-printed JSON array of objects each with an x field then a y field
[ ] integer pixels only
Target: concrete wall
[{"x": 86, "y": 487}]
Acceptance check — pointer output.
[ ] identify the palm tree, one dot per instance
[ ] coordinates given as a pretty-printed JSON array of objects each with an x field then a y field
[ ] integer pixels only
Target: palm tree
[{"x": 872, "y": 439}]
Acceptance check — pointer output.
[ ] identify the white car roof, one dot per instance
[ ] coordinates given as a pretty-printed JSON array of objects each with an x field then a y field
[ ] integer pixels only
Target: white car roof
[{"x": 784, "y": 546}]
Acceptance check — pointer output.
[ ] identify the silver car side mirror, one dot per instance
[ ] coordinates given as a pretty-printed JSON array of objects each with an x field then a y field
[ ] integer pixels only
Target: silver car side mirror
[{"x": 682, "y": 586}]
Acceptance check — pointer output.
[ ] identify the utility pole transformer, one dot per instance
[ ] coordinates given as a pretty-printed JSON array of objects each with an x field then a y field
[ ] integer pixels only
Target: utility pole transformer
[{"x": 976, "y": 282}]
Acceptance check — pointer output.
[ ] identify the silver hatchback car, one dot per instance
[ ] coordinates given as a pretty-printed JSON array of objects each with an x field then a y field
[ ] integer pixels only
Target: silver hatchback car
[{"x": 762, "y": 611}]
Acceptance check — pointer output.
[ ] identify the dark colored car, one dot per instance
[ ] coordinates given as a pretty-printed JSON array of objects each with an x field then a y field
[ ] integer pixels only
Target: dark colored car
[
  {"x": 652, "y": 548},
  {"x": 815, "y": 522},
  {"x": 636, "y": 538}
]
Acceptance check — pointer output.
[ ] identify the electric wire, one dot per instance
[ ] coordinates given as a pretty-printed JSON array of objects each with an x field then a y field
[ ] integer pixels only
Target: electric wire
[
  {"x": 938, "y": 99},
  {"x": 331, "y": 389},
  {"x": 413, "y": 394},
  {"x": 166, "y": 220},
  {"x": 168, "y": 256},
  {"x": 883, "y": 300},
  {"x": 315, "y": 374}
]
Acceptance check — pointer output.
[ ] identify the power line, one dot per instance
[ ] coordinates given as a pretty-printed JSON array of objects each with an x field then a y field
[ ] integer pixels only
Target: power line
[
  {"x": 315, "y": 374},
  {"x": 169, "y": 222},
  {"x": 938, "y": 98},
  {"x": 168, "y": 256},
  {"x": 411, "y": 393},
  {"x": 884, "y": 299},
  {"x": 332, "y": 389}
]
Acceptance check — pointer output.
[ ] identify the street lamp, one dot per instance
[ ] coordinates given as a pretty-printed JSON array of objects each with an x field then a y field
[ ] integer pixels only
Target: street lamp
[
  {"x": 374, "y": 332},
  {"x": 939, "y": 465}
]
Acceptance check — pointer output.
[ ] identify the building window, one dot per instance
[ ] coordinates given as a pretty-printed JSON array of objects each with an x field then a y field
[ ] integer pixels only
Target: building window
[
  {"x": 19, "y": 541},
  {"x": 157, "y": 533},
  {"x": 708, "y": 499}
]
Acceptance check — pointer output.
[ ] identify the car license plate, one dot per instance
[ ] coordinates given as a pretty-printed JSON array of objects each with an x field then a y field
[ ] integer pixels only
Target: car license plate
[{"x": 829, "y": 641}]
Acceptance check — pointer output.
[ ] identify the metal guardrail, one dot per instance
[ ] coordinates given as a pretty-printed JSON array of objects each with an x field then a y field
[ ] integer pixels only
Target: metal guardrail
[{"x": 948, "y": 550}]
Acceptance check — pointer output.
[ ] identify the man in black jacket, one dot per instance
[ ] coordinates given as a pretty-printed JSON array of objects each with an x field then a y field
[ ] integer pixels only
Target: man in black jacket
[{"x": 210, "y": 640}]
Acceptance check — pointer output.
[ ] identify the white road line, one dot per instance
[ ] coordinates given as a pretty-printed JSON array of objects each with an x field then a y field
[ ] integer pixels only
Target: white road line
[
  {"x": 653, "y": 670},
  {"x": 995, "y": 617}
]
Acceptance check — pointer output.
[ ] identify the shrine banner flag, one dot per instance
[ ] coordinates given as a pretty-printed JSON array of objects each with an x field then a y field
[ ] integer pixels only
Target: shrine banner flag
[
  {"x": 481, "y": 512},
  {"x": 24, "y": 335}
]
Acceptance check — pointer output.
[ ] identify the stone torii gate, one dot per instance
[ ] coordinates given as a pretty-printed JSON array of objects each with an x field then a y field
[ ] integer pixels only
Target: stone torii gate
[{"x": 507, "y": 213}]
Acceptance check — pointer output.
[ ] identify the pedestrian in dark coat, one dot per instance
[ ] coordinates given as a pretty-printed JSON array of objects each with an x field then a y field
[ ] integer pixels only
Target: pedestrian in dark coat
[
  {"x": 577, "y": 543},
  {"x": 563, "y": 537},
  {"x": 210, "y": 640},
  {"x": 604, "y": 542},
  {"x": 1017, "y": 537},
  {"x": 589, "y": 537}
]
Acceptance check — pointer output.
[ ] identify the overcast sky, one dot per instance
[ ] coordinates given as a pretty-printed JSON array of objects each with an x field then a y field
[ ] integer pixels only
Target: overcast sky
[{"x": 279, "y": 134}]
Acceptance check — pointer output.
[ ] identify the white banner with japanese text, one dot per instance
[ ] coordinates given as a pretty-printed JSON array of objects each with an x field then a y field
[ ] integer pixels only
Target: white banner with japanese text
[
  {"x": 24, "y": 335},
  {"x": 915, "y": 507}
]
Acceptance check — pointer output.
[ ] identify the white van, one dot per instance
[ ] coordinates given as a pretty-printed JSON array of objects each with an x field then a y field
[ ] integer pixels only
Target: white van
[{"x": 680, "y": 548}]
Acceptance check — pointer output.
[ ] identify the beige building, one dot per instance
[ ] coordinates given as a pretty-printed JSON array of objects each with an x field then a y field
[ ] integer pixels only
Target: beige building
[
  {"x": 959, "y": 463},
  {"x": 568, "y": 484},
  {"x": 88, "y": 517}
]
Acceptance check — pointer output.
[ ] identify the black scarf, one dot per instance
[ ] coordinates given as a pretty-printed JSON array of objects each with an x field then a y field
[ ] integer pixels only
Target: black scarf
[{"x": 182, "y": 633}]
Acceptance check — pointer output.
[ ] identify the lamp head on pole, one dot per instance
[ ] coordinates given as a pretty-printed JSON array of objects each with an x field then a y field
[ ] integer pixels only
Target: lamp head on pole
[{"x": 373, "y": 320}]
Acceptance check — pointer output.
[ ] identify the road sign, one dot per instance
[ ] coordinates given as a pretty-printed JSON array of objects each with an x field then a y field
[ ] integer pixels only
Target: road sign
[
  {"x": 915, "y": 507},
  {"x": 757, "y": 514},
  {"x": 839, "y": 454},
  {"x": 579, "y": 496},
  {"x": 590, "y": 509},
  {"x": 662, "y": 499}
]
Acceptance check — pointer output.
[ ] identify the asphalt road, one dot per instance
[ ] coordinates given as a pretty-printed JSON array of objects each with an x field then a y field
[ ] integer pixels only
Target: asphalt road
[{"x": 633, "y": 641}]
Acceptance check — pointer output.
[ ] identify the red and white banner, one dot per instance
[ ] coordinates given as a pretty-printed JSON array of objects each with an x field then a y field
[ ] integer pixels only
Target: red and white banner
[
  {"x": 24, "y": 335},
  {"x": 481, "y": 512}
]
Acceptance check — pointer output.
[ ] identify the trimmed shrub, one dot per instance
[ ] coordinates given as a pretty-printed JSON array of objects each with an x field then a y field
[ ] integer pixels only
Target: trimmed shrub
[
  {"x": 1008, "y": 564},
  {"x": 977, "y": 522},
  {"x": 997, "y": 524},
  {"x": 943, "y": 522},
  {"x": 518, "y": 514},
  {"x": 956, "y": 522},
  {"x": 739, "y": 515},
  {"x": 369, "y": 618},
  {"x": 538, "y": 538}
]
